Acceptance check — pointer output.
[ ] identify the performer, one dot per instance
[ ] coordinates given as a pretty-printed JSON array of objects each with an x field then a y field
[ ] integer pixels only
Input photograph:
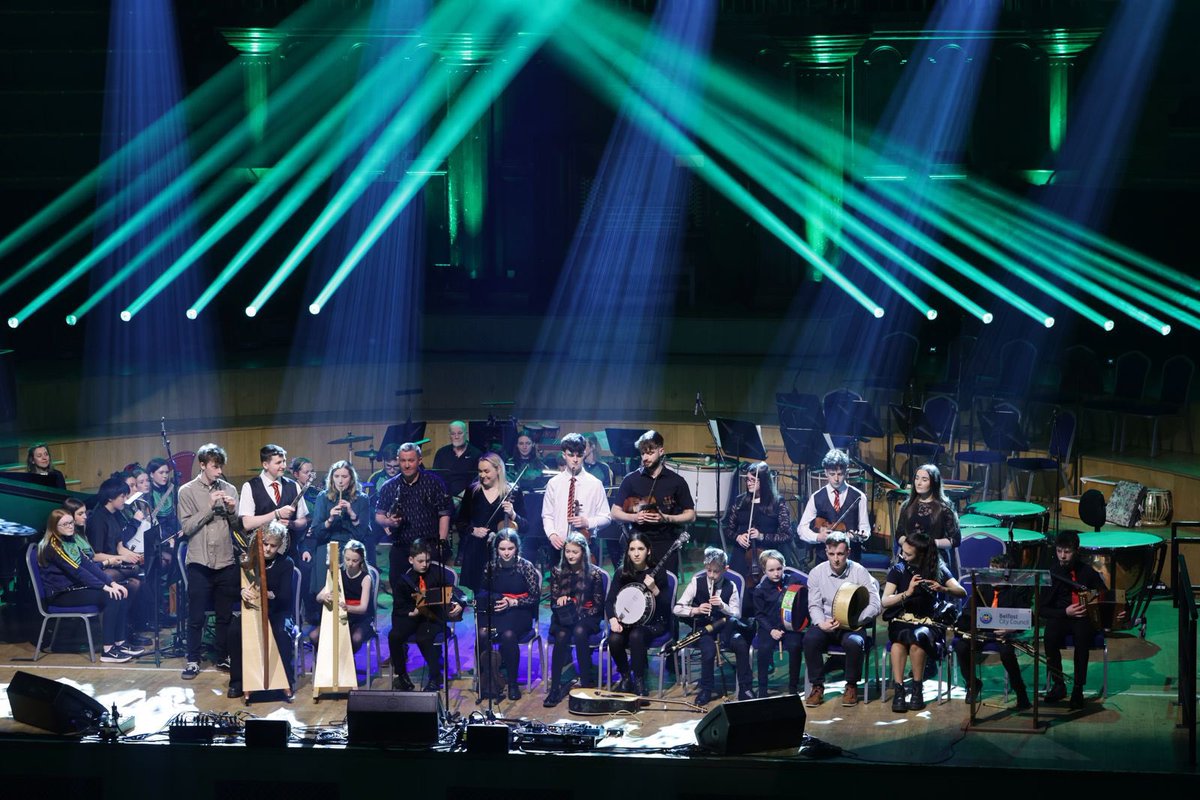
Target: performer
[
  {"x": 356, "y": 598},
  {"x": 413, "y": 618},
  {"x": 823, "y": 630},
  {"x": 1065, "y": 610},
  {"x": 390, "y": 456},
  {"x": 39, "y": 462},
  {"x": 341, "y": 515},
  {"x": 576, "y": 606},
  {"x": 837, "y": 503},
  {"x": 208, "y": 515},
  {"x": 633, "y": 640},
  {"x": 456, "y": 462},
  {"x": 757, "y": 520},
  {"x": 273, "y": 497},
  {"x": 771, "y": 636},
  {"x": 162, "y": 496},
  {"x": 913, "y": 586},
  {"x": 486, "y": 509},
  {"x": 512, "y": 591},
  {"x": 929, "y": 511},
  {"x": 575, "y": 500},
  {"x": 525, "y": 462},
  {"x": 414, "y": 506},
  {"x": 280, "y": 604},
  {"x": 995, "y": 597},
  {"x": 72, "y": 578},
  {"x": 711, "y": 599},
  {"x": 592, "y": 463},
  {"x": 109, "y": 533},
  {"x": 659, "y": 499}
]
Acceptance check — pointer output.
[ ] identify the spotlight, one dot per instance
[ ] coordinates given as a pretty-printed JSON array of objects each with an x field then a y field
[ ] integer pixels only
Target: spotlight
[
  {"x": 72, "y": 319},
  {"x": 314, "y": 309},
  {"x": 192, "y": 313},
  {"x": 1165, "y": 328},
  {"x": 126, "y": 316},
  {"x": 1109, "y": 324},
  {"x": 931, "y": 314},
  {"x": 1048, "y": 322},
  {"x": 987, "y": 318},
  {"x": 13, "y": 322},
  {"x": 251, "y": 311},
  {"x": 878, "y": 312}
]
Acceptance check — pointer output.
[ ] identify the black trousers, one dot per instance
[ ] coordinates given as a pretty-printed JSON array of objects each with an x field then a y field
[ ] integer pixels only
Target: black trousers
[
  {"x": 220, "y": 588},
  {"x": 792, "y": 644},
  {"x": 507, "y": 628},
  {"x": 732, "y": 641},
  {"x": 634, "y": 641},
  {"x": 1008, "y": 657},
  {"x": 421, "y": 630},
  {"x": 112, "y": 614},
  {"x": 578, "y": 635},
  {"x": 1055, "y": 639},
  {"x": 817, "y": 641}
]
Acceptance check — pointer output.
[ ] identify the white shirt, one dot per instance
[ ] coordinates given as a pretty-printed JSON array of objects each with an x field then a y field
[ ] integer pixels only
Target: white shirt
[
  {"x": 246, "y": 498},
  {"x": 857, "y": 520},
  {"x": 684, "y": 607},
  {"x": 589, "y": 493}
]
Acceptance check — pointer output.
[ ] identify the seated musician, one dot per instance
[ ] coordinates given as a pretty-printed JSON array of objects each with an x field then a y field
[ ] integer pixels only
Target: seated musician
[
  {"x": 711, "y": 599},
  {"x": 928, "y": 510},
  {"x": 576, "y": 608},
  {"x": 756, "y": 521},
  {"x": 1065, "y": 610},
  {"x": 356, "y": 596},
  {"x": 456, "y": 462},
  {"x": 506, "y": 607},
  {"x": 771, "y": 636},
  {"x": 631, "y": 639},
  {"x": 413, "y": 618},
  {"x": 390, "y": 456},
  {"x": 910, "y": 592},
  {"x": 835, "y": 506},
  {"x": 109, "y": 532},
  {"x": 825, "y": 630},
  {"x": 487, "y": 507},
  {"x": 280, "y": 608},
  {"x": 995, "y": 597},
  {"x": 592, "y": 463},
  {"x": 72, "y": 577},
  {"x": 575, "y": 500}
]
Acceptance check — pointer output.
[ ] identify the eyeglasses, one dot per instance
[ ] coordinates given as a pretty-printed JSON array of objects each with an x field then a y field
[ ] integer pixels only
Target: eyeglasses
[{"x": 66, "y": 523}]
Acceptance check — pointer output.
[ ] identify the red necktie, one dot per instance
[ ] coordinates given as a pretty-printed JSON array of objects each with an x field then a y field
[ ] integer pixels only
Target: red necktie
[
  {"x": 571, "y": 499},
  {"x": 1074, "y": 594},
  {"x": 421, "y": 583},
  {"x": 275, "y": 489},
  {"x": 837, "y": 502},
  {"x": 995, "y": 598}
]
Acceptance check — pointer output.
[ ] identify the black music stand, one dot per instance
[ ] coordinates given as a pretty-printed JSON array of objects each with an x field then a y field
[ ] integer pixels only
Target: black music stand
[
  {"x": 493, "y": 435},
  {"x": 403, "y": 432},
  {"x": 911, "y": 422},
  {"x": 622, "y": 443},
  {"x": 847, "y": 419}
]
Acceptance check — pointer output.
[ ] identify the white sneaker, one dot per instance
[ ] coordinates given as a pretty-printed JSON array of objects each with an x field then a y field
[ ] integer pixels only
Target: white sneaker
[{"x": 115, "y": 655}]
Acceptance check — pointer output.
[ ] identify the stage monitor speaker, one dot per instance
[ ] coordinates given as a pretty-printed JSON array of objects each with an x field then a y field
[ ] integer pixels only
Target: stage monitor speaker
[
  {"x": 384, "y": 718},
  {"x": 52, "y": 706},
  {"x": 753, "y": 726},
  {"x": 268, "y": 732}
]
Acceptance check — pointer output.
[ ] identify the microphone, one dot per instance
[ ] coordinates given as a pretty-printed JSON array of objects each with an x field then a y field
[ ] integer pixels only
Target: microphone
[{"x": 699, "y": 403}]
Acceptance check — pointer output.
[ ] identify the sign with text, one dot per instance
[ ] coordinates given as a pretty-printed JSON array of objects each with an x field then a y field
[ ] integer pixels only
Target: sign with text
[{"x": 1007, "y": 619}]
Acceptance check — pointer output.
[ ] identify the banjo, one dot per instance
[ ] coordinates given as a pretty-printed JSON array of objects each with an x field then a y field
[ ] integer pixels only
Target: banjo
[{"x": 635, "y": 602}]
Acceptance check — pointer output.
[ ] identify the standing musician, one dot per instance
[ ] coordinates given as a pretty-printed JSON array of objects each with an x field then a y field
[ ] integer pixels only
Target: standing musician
[
  {"x": 208, "y": 514},
  {"x": 994, "y": 597},
  {"x": 711, "y": 599},
  {"x": 161, "y": 497},
  {"x": 769, "y": 595},
  {"x": 390, "y": 455},
  {"x": 634, "y": 640},
  {"x": 929, "y": 511},
  {"x": 835, "y": 506},
  {"x": 824, "y": 630},
  {"x": 356, "y": 597},
  {"x": 456, "y": 462},
  {"x": 525, "y": 457},
  {"x": 1066, "y": 610},
  {"x": 413, "y": 618},
  {"x": 575, "y": 500},
  {"x": 340, "y": 515},
  {"x": 280, "y": 603},
  {"x": 506, "y": 607},
  {"x": 913, "y": 586},
  {"x": 576, "y": 607},
  {"x": 272, "y": 496},
  {"x": 414, "y": 506},
  {"x": 659, "y": 500},
  {"x": 487, "y": 507},
  {"x": 592, "y": 463},
  {"x": 757, "y": 520}
]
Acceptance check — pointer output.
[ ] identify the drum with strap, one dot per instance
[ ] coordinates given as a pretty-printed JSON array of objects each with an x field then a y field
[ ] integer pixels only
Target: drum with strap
[{"x": 850, "y": 601}]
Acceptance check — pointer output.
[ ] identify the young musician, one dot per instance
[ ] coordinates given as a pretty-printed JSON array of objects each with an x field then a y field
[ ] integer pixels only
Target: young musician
[
  {"x": 576, "y": 607},
  {"x": 413, "y": 619},
  {"x": 109, "y": 533},
  {"x": 356, "y": 596},
  {"x": 929, "y": 511},
  {"x": 659, "y": 499},
  {"x": 592, "y": 463},
  {"x": 280, "y": 603},
  {"x": 39, "y": 462},
  {"x": 633, "y": 639},
  {"x": 162, "y": 496},
  {"x": 506, "y": 607},
  {"x": 836, "y": 505},
  {"x": 341, "y": 515},
  {"x": 525, "y": 462},
  {"x": 456, "y": 462},
  {"x": 390, "y": 456},
  {"x": 1065, "y": 611},
  {"x": 488, "y": 506},
  {"x": 711, "y": 599},
  {"x": 994, "y": 597},
  {"x": 273, "y": 497},
  {"x": 824, "y": 630},
  {"x": 209, "y": 519},
  {"x": 912, "y": 588},
  {"x": 758, "y": 520},
  {"x": 414, "y": 505},
  {"x": 72, "y": 578},
  {"x": 575, "y": 500},
  {"x": 771, "y": 636}
]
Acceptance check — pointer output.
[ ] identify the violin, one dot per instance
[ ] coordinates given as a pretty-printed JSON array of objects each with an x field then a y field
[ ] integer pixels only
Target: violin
[
  {"x": 854, "y": 536},
  {"x": 634, "y": 504}
]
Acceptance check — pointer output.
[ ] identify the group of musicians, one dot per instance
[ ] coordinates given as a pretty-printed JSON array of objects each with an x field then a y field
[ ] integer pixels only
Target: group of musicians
[{"x": 415, "y": 510}]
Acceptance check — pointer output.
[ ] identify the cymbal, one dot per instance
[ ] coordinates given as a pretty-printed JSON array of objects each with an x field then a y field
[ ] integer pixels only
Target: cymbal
[
  {"x": 350, "y": 439},
  {"x": 371, "y": 454}
]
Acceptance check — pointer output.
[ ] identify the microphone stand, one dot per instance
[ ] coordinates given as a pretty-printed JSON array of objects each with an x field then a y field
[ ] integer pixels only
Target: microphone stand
[
  {"x": 720, "y": 459},
  {"x": 489, "y": 580},
  {"x": 1057, "y": 469},
  {"x": 155, "y": 568}
]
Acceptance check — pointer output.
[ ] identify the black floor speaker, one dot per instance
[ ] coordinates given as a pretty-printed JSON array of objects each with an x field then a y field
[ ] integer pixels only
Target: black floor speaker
[
  {"x": 753, "y": 726},
  {"x": 384, "y": 718},
  {"x": 52, "y": 706}
]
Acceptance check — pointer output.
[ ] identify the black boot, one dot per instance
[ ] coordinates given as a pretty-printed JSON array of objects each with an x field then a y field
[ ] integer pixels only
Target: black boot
[
  {"x": 899, "y": 704},
  {"x": 1076, "y": 698},
  {"x": 1022, "y": 697},
  {"x": 1057, "y": 693},
  {"x": 917, "y": 701}
]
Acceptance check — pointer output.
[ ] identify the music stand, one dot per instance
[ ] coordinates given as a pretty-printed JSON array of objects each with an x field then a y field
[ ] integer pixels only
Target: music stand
[
  {"x": 493, "y": 435},
  {"x": 911, "y": 422},
  {"x": 403, "y": 432},
  {"x": 802, "y": 425},
  {"x": 740, "y": 439},
  {"x": 622, "y": 442}
]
